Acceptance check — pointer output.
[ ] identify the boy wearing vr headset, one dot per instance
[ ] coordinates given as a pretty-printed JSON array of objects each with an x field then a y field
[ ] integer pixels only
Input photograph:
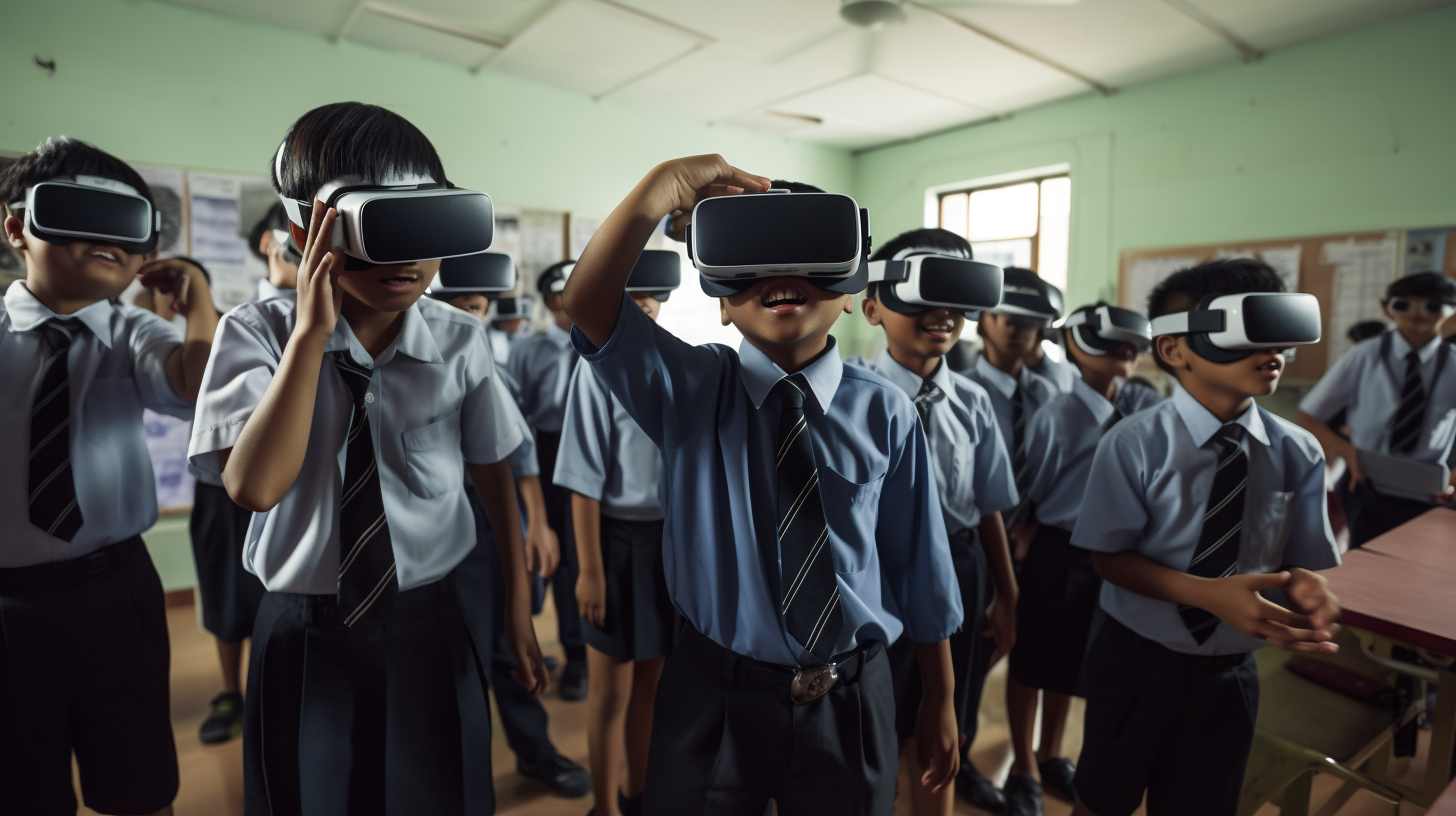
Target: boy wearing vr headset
[
  {"x": 1193, "y": 509},
  {"x": 1059, "y": 586},
  {"x": 269, "y": 241},
  {"x": 1400, "y": 401},
  {"x": 347, "y": 416},
  {"x": 973, "y": 470},
  {"x": 541, "y": 365},
  {"x": 507, "y": 324},
  {"x": 613, "y": 470},
  {"x": 84, "y": 630},
  {"x": 803, "y": 529}
]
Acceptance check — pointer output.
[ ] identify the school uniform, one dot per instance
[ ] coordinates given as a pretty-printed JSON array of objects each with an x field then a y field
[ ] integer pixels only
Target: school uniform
[
  {"x": 1172, "y": 693},
  {"x": 1399, "y": 401},
  {"x": 84, "y": 655},
  {"x": 1059, "y": 586},
  {"x": 541, "y": 365},
  {"x": 605, "y": 456},
  {"x": 267, "y": 291},
  {"x": 500, "y": 345},
  {"x": 365, "y": 691},
  {"x": 1013, "y": 400},
  {"x": 1062, "y": 375},
  {"x": 973, "y": 474},
  {"x": 749, "y": 451}
]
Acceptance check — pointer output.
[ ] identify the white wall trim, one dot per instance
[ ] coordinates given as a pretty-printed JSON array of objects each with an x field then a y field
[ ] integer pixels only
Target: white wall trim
[{"x": 932, "y": 194}]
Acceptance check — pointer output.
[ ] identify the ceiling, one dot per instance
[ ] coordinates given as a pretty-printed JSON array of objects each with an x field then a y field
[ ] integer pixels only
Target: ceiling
[{"x": 794, "y": 67}]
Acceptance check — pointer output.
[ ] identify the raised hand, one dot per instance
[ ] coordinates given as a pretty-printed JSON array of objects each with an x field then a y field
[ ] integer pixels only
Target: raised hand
[{"x": 319, "y": 295}]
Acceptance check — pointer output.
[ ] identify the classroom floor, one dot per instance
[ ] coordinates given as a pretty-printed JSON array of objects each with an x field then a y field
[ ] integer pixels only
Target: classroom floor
[{"x": 212, "y": 774}]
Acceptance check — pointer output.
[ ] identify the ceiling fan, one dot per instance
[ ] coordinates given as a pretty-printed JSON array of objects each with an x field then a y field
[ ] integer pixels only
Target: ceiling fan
[{"x": 875, "y": 13}]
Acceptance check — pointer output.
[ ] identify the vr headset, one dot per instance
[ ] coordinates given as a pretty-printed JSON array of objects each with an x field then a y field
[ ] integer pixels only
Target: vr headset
[
  {"x": 916, "y": 284},
  {"x": 399, "y": 220},
  {"x": 1100, "y": 331},
  {"x": 483, "y": 273},
  {"x": 1229, "y": 328},
  {"x": 658, "y": 272},
  {"x": 553, "y": 280},
  {"x": 512, "y": 308},
  {"x": 1024, "y": 293},
  {"x": 736, "y": 240},
  {"x": 91, "y": 208},
  {"x": 286, "y": 249}
]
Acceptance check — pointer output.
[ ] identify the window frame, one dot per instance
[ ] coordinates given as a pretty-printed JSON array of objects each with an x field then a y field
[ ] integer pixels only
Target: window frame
[{"x": 1038, "y": 179}]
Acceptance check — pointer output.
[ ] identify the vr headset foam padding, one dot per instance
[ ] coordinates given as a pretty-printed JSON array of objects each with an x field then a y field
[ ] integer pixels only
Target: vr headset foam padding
[
  {"x": 483, "y": 273},
  {"x": 94, "y": 209},
  {"x": 1099, "y": 331},
  {"x": 919, "y": 283},
  {"x": 1229, "y": 328},
  {"x": 658, "y": 271},
  {"x": 736, "y": 240}
]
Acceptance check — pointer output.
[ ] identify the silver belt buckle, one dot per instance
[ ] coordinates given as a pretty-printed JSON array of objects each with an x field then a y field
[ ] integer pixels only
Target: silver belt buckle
[{"x": 812, "y": 682}]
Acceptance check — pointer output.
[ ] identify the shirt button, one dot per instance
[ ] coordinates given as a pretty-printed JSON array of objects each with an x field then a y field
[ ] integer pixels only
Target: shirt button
[{"x": 368, "y": 397}]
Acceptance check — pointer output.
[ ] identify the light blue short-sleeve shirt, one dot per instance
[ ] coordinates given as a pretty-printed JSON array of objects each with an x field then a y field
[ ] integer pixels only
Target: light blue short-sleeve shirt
[
  {"x": 1062, "y": 375},
  {"x": 434, "y": 403},
  {"x": 118, "y": 366},
  {"x": 1148, "y": 490},
  {"x": 605, "y": 455},
  {"x": 712, "y": 414},
  {"x": 541, "y": 365}
]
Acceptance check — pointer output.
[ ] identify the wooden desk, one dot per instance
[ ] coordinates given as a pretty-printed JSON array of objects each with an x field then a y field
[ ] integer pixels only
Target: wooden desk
[{"x": 1428, "y": 539}]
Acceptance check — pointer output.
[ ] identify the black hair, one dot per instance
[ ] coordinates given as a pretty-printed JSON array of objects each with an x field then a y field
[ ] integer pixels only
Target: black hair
[
  {"x": 549, "y": 274},
  {"x": 941, "y": 240},
  {"x": 1431, "y": 285},
  {"x": 274, "y": 219},
  {"x": 1364, "y": 330},
  {"x": 1185, "y": 289},
  {"x": 794, "y": 186},
  {"x": 351, "y": 139},
  {"x": 64, "y": 156}
]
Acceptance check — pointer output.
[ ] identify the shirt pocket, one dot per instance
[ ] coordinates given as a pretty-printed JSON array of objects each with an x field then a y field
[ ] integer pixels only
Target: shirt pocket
[
  {"x": 852, "y": 512},
  {"x": 434, "y": 464},
  {"x": 112, "y": 409},
  {"x": 1265, "y": 536}
]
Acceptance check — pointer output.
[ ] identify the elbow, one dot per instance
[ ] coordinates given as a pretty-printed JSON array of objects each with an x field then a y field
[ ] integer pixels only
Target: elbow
[
  {"x": 1102, "y": 563},
  {"x": 249, "y": 497}
]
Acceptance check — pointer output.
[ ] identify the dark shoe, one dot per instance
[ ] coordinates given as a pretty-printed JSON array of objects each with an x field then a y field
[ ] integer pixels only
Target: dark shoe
[
  {"x": 226, "y": 720},
  {"x": 629, "y": 807},
  {"x": 1023, "y": 795},
  {"x": 978, "y": 790},
  {"x": 550, "y": 663},
  {"x": 564, "y": 777},
  {"x": 1056, "y": 778},
  {"x": 573, "y": 681}
]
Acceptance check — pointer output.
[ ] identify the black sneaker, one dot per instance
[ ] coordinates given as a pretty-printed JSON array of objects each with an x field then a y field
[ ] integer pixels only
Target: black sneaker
[
  {"x": 628, "y": 807},
  {"x": 1056, "y": 778},
  {"x": 225, "y": 722},
  {"x": 564, "y": 777},
  {"x": 573, "y": 681},
  {"x": 978, "y": 790},
  {"x": 1023, "y": 795}
]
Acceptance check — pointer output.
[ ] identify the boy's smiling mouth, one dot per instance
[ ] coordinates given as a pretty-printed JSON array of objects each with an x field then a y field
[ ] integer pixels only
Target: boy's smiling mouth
[
  {"x": 402, "y": 282},
  {"x": 938, "y": 329},
  {"x": 107, "y": 255},
  {"x": 1272, "y": 368},
  {"x": 782, "y": 297}
]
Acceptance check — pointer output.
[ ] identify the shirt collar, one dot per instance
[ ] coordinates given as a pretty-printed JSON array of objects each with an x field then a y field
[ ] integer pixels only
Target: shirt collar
[
  {"x": 1096, "y": 403},
  {"x": 1400, "y": 348},
  {"x": 27, "y": 312},
  {"x": 1000, "y": 380},
  {"x": 414, "y": 340},
  {"x": 267, "y": 291},
  {"x": 1202, "y": 424},
  {"x": 910, "y": 382},
  {"x": 760, "y": 374}
]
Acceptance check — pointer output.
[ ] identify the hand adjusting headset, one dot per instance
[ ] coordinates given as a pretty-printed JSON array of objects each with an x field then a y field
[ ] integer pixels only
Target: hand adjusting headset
[
  {"x": 735, "y": 241},
  {"x": 1099, "y": 330},
  {"x": 1229, "y": 328},
  {"x": 917, "y": 280},
  {"x": 91, "y": 208}
]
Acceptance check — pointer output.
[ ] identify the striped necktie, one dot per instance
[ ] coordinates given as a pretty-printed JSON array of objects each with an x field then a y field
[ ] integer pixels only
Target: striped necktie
[
  {"x": 1410, "y": 417},
  {"x": 367, "y": 581},
  {"x": 1217, "y": 555},
  {"x": 810, "y": 602},
  {"x": 1019, "y": 469},
  {"x": 53, "y": 505},
  {"x": 925, "y": 400}
]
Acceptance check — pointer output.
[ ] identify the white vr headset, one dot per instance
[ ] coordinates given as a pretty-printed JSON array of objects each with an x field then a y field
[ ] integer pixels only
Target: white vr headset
[
  {"x": 91, "y": 208},
  {"x": 1099, "y": 331},
  {"x": 912, "y": 284},
  {"x": 1229, "y": 328},
  {"x": 511, "y": 308},
  {"x": 1025, "y": 294},
  {"x": 736, "y": 240},
  {"x": 398, "y": 220},
  {"x": 484, "y": 273}
]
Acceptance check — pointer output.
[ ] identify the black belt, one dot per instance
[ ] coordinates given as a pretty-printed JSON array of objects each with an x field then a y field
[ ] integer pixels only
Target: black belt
[
  {"x": 1115, "y": 628},
  {"x": 57, "y": 574},
  {"x": 739, "y": 670}
]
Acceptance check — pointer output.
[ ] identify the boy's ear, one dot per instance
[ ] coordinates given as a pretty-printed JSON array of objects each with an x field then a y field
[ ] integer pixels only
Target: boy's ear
[
  {"x": 871, "y": 310},
  {"x": 1172, "y": 350},
  {"x": 15, "y": 233},
  {"x": 723, "y": 311}
]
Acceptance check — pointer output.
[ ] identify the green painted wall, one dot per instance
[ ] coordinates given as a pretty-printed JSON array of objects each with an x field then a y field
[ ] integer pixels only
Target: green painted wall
[
  {"x": 163, "y": 84},
  {"x": 1355, "y": 132}
]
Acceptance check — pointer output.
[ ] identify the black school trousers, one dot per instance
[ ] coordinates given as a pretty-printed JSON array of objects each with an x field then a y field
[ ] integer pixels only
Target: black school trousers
[
  {"x": 726, "y": 738},
  {"x": 558, "y": 516}
]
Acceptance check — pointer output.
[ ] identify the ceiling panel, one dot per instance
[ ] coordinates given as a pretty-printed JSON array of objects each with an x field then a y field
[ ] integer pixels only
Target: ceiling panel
[
  {"x": 502, "y": 18},
  {"x": 874, "y": 104},
  {"x": 591, "y": 47},
  {"x": 1270, "y": 24},
  {"x": 399, "y": 36}
]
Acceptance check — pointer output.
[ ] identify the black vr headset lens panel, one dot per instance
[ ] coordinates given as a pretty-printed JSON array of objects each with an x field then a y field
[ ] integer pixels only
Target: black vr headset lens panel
[
  {"x": 1281, "y": 319},
  {"x": 969, "y": 285},
  {"x": 657, "y": 270},
  {"x": 61, "y": 212},
  {"x": 793, "y": 231},
  {"x": 412, "y": 228},
  {"x": 481, "y": 273}
]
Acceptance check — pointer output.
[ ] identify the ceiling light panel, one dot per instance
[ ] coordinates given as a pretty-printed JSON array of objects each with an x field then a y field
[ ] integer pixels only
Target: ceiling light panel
[
  {"x": 592, "y": 47},
  {"x": 876, "y": 106},
  {"x": 374, "y": 30}
]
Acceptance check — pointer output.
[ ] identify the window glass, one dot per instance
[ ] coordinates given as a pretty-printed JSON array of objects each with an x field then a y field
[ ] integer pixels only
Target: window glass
[{"x": 1004, "y": 212}]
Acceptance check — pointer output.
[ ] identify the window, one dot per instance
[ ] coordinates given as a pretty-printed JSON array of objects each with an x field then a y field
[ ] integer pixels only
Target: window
[{"x": 1024, "y": 223}]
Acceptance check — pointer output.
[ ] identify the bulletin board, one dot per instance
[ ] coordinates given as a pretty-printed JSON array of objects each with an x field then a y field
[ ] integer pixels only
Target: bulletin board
[{"x": 1347, "y": 272}]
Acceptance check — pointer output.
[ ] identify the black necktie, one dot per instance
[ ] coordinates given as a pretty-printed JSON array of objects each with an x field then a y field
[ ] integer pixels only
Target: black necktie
[
  {"x": 811, "y": 596},
  {"x": 1410, "y": 417},
  {"x": 1217, "y": 555},
  {"x": 53, "y": 506},
  {"x": 367, "y": 583},
  {"x": 925, "y": 400}
]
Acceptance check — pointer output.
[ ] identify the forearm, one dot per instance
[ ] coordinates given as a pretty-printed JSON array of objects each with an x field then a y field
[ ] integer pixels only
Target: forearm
[
  {"x": 586, "y": 520},
  {"x": 1140, "y": 574},
  {"x": 269, "y": 452},
  {"x": 937, "y": 676},
  {"x": 1333, "y": 444},
  {"x": 196, "y": 348},
  {"x": 497, "y": 492},
  {"x": 533, "y": 498},
  {"x": 593, "y": 295},
  {"x": 998, "y": 557}
]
